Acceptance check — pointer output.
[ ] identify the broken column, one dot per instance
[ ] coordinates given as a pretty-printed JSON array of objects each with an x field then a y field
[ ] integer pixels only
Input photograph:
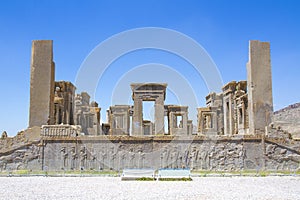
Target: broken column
[
  {"x": 41, "y": 111},
  {"x": 259, "y": 77}
]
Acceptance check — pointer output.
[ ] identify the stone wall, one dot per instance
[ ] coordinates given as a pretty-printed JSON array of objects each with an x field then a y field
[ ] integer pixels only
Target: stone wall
[
  {"x": 197, "y": 153},
  {"x": 22, "y": 151},
  {"x": 64, "y": 102},
  {"x": 54, "y": 152},
  {"x": 87, "y": 114}
]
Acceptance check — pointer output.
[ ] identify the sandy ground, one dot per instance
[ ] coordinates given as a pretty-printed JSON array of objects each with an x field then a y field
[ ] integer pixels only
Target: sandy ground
[{"x": 113, "y": 188}]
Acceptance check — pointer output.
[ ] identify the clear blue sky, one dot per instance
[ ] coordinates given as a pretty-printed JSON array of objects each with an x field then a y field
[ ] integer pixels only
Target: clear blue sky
[{"x": 222, "y": 27}]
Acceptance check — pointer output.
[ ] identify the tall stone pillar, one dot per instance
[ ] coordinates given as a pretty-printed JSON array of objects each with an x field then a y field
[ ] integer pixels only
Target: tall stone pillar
[
  {"x": 137, "y": 118},
  {"x": 159, "y": 115},
  {"x": 259, "y": 77},
  {"x": 41, "y": 111}
]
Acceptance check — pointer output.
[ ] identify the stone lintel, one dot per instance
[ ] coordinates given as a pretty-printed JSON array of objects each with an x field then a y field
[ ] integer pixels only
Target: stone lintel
[
  {"x": 148, "y": 88},
  {"x": 229, "y": 87},
  {"x": 119, "y": 108},
  {"x": 177, "y": 108}
]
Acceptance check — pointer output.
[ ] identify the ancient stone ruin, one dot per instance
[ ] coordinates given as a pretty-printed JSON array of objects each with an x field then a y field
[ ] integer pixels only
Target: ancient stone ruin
[{"x": 235, "y": 131}]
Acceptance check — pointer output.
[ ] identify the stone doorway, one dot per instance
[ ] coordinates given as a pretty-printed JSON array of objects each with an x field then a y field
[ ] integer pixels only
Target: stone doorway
[{"x": 148, "y": 92}]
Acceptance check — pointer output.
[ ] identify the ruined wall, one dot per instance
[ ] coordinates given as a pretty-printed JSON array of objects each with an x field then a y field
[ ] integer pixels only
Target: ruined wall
[
  {"x": 64, "y": 102},
  {"x": 117, "y": 153},
  {"x": 21, "y": 151},
  {"x": 68, "y": 152},
  {"x": 119, "y": 119},
  {"x": 87, "y": 114}
]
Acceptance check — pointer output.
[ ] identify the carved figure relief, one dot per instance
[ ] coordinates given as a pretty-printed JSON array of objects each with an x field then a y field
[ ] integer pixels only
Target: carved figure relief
[
  {"x": 164, "y": 158},
  {"x": 131, "y": 158},
  {"x": 73, "y": 158},
  {"x": 83, "y": 158},
  {"x": 64, "y": 155},
  {"x": 103, "y": 156}
]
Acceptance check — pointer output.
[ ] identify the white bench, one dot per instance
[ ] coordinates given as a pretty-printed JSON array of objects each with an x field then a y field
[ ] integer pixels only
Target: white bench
[
  {"x": 174, "y": 173},
  {"x": 133, "y": 174}
]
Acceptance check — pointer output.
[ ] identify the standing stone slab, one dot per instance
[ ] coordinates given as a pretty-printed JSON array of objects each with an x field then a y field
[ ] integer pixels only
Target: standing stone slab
[
  {"x": 41, "y": 84},
  {"x": 259, "y": 86}
]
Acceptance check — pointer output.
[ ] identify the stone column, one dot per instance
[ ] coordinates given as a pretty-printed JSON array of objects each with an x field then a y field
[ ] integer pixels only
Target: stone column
[
  {"x": 57, "y": 114},
  {"x": 259, "y": 76},
  {"x": 67, "y": 103},
  {"x": 228, "y": 115},
  {"x": 159, "y": 115},
  {"x": 137, "y": 119},
  {"x": 41, "y": 110},
  {"x": 185, "y": 122}
]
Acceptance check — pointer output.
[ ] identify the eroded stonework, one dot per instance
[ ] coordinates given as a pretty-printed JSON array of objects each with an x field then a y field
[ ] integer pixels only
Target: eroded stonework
[
  {"x": 117, "y": 153},
  {"x": 235, "y": 131}
]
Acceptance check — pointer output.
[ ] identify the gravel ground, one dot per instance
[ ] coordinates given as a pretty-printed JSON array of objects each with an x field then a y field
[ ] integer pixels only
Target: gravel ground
[{"x": 113, "y": 188}]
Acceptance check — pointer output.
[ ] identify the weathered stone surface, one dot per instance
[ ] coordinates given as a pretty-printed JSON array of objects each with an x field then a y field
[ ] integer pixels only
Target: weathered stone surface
[
  {"x": 41, "y": 84},
  {"x": 178, "y": 119},
  {"x": 259, "y": 86},
  {"x": 244, "y": 107},
  {"x": 104, "y": 153},
  {"x": 60, "y": 131},
  {"x": 119, "y": 119},
  {"x": 21, "y": 151},
  {"x": 226, "y": 113},
  {"x": 148, "y": 92},
  {"x": 87, "y": 114},
  {"x": 64, "y": 102},
  {"x": 233, "y": 130}
]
